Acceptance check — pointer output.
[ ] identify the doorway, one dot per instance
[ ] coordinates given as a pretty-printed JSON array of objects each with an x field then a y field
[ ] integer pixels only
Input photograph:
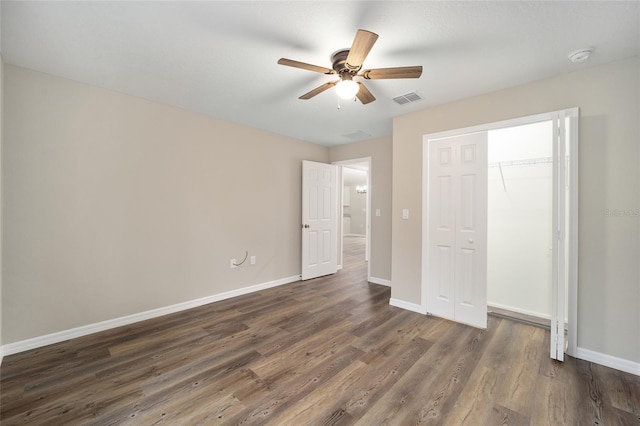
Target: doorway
[
  {"x": 562, "y": 231},
  {"x": 355, "y": 218},
  {"x": 520, "y": 195}
]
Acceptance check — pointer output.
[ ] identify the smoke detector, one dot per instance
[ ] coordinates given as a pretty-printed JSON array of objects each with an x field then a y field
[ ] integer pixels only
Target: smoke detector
[{"x": 580, "y": 55}]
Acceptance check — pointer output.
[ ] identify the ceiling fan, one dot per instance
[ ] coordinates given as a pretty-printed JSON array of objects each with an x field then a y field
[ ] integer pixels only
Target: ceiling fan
[{"x": 347, "y": 64}]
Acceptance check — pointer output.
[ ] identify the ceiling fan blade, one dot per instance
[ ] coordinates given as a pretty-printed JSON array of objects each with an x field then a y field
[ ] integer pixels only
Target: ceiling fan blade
[
  {"x": 364, "y": 94},
  {"x": 302, "y": 65},
  {"x": 362, "y": 44},
  {"x": 397, "y": 72},
  {"x": 318, "y": 90}
]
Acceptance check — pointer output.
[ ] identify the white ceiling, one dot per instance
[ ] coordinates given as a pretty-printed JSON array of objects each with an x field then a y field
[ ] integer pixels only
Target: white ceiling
[{"x": 219, "y": 58}]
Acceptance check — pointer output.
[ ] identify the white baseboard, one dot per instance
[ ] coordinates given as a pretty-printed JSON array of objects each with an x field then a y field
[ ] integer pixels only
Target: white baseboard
[
  {"x": 518, "y": 310},
  {"x": 381, "y": 281},
  {"x": 608, "y": 360},
  {"x": 37, "y": 342},
  {"x": 414, "y": 307}
]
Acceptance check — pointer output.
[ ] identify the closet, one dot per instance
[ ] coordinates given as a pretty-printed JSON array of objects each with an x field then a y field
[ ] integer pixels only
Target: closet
[
  {"x": 506, "y": 238},
  {"x": 519, "y": 219}
]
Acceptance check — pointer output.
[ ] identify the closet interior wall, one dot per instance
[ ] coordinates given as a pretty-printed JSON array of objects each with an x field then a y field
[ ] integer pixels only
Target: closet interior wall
[{"x": 519, "y": 257}]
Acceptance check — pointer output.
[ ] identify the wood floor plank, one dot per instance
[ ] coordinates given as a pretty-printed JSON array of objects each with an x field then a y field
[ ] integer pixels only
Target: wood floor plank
[
  {"x": 317, "y": 404},
  {"x": 286, "y": 395},
  {"x": 407, "y": 395},
  {"x": 477, "y": 399},
  {"x": 504, "y": 416},
  {"x": 622, "y": 390},
  {"x": 522, "y": 367},
  {"x": 328, "y": 351}
]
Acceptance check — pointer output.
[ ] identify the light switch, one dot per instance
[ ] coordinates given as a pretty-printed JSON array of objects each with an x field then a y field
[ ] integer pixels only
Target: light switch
[
  {"x": 377, "y": 212},
  {"x": 405, "y": 214}
]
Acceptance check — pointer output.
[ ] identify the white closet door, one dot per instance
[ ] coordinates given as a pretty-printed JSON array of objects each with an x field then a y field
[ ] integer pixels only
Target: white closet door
[
  {"x": 457, "y": 253},
  {"x": 471, "y": 231},
  {"x": 561, "y": 204},
  {"x": 442, "y": 238}
]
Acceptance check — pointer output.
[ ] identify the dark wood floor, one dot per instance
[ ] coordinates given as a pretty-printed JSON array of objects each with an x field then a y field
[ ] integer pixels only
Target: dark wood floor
[{"x": 325, "y": 351}]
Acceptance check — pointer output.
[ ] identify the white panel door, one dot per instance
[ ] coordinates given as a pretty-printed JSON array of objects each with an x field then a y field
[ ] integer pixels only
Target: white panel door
[
  {"x": 319, "y": 219},
  {"x": 471, "y": 231},
  {"x": 457, "y": 212},
  {"x": 442, "y": 238}
]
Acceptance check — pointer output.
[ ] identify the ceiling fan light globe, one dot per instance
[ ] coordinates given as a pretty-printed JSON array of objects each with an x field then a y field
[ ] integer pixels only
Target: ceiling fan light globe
[{"x": 347, "y": 89}]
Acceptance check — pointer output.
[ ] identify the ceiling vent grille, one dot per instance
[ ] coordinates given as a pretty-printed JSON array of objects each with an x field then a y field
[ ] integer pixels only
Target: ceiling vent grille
[
  {"x": 357, "y": 135},
  {"x": 407, "y": 98}
]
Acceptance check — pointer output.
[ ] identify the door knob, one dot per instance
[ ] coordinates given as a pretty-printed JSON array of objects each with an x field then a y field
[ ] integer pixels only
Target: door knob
[{"x": 470, "y": 240}]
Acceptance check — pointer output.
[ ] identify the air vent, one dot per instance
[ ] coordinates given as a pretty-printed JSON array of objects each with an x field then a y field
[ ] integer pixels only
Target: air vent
[
  {"x": 357, "y": 135},
  {"x": 407, "y": 98}
]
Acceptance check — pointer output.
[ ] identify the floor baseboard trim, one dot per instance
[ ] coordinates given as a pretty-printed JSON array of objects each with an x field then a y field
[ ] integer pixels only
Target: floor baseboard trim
[
  {"x": 608, "y": 360},
  {"x": 407, "y": 305},
  {"x": 381, "y": 281},
  {"x": 520, "y": 311},
  {"x": 37, "y": 342}
]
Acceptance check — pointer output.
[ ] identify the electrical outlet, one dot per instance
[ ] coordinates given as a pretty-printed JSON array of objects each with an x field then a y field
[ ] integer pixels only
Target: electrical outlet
[
  {"x": 253, "y": 260},
  {"x": 233, "y": 264}
]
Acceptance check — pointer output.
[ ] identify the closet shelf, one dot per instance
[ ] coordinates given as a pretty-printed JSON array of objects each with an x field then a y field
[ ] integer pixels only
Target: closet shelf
[{"x": 526, "y": 162}]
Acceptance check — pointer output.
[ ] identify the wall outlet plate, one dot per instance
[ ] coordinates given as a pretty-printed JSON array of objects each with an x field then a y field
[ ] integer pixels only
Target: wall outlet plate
[{"x": 232, "y": 264}]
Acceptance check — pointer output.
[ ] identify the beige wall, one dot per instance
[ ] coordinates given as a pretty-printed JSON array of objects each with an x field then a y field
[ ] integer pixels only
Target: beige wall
[
  {"x": 1, "y": 191},
  {"x": 116, "y": 205},
  {"x": 357, "y": 209},
  {"x": 609, "y": 247},
  {"x": 380, "y": 151}
]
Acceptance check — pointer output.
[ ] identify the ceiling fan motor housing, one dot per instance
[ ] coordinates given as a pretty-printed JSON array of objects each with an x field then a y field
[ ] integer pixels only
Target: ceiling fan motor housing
[{"x": 340, "y": 65}]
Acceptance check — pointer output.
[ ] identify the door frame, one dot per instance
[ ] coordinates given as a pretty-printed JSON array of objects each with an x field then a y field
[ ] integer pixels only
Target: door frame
[
  {"x": 572, "y": 230},
  {"x": 340, "y": 165}
]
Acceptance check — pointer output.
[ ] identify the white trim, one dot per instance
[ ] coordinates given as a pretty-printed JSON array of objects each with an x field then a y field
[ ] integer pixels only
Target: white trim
[
  {"x": 608, "y": 360},
  {"x": 37, "y": 342},
  {"x": 519, "y": 311},
  {"x": 414, "y": 307},
  {"x": 424, "y": 261},
  {"x": 572, "y": 266},
  {"x": 512, "y": 122},
  {"x": 381, "y": 281}
]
